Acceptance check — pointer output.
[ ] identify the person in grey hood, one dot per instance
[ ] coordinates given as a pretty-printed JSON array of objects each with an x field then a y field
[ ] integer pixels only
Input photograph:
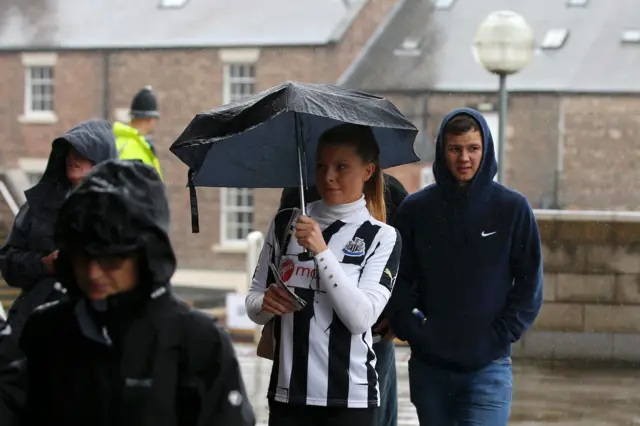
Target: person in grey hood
[
  {"x": 26, "y": 258},
  {"x": 121, "y": 349}
]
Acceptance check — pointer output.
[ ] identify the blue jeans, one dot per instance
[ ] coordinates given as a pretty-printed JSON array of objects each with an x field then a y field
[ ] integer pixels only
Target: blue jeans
[
  {"x": 387, "y": 380},
  {"x": 446, "y": 398}
]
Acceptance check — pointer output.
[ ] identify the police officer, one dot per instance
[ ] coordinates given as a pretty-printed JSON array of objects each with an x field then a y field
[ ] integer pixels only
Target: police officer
[{"x": 134, "y": 139}]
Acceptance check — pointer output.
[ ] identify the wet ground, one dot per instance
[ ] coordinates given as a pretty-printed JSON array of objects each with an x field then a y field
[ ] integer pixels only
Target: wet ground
[{"x": 544, "y": 394}]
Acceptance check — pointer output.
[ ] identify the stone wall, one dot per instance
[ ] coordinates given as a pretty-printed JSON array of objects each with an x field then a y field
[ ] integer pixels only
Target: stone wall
[
  {"x": 558, "y": 146},
  {"x": 592, "y": 287}
]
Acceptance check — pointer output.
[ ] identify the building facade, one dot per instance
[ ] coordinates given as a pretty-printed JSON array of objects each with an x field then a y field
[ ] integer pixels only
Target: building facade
[
  {"x": 572, "y": 137},
  {"x": 48, "y": 85}
]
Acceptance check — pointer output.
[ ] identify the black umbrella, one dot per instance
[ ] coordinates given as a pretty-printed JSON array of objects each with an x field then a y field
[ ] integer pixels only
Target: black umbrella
[{"x": 269, "y": 140}]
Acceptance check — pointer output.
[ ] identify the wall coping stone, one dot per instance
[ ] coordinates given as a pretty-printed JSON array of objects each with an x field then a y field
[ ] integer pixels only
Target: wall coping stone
[{"x": 587, "y": 215}]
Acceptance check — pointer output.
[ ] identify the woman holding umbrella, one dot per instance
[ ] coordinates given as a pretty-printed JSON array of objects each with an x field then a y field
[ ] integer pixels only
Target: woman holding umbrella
[
  {"x": 334, "y": 278},
  {"x": 342, "y": 261}
]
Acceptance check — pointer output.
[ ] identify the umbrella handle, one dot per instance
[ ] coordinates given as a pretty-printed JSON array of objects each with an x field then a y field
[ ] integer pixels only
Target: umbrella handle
[{"x": 306, "y": 255}]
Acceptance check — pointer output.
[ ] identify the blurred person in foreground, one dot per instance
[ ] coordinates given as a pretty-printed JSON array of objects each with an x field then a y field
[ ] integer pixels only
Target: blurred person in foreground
[
  {"x": 384, "y": 348},
  {"x": 134, "y": 139},
  {"x": 470, "y": 280},
  {"x": 122, "y": 350}
]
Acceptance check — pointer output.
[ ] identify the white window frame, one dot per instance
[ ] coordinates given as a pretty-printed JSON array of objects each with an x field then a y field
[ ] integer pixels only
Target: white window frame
[
  {"x": 233, "y": 244},
  {"x": 230, "y": 58},
  {"x": 444, "y": 4},
  {"x": 228, "y": 80},
  {"x": 172, "y": 4},
  {"x": 243, "y": 55},
  {"x": 31, "y": 60},
  {"x": 631, "y": 36},
  {"x": 32, "y": 166},
  {"x": 122, "y": 115},
  {"x": 426, "y": 176},
  {"x": 493, "y": 123},
  {"x": 555, "y": 39}
]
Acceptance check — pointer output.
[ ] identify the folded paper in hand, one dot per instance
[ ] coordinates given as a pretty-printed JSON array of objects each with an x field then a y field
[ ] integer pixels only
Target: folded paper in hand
[{"x": 298, "y": 302}]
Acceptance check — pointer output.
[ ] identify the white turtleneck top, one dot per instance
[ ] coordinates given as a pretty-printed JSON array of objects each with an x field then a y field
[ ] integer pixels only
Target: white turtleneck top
[{"x": 323, "y": 352}]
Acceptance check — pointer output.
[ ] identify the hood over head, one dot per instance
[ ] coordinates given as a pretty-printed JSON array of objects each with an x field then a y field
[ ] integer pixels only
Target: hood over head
[
  {"x": 93, "y": 139},
  {"x": 120, "y": 207},
  {"x": 488, "y": 165}
]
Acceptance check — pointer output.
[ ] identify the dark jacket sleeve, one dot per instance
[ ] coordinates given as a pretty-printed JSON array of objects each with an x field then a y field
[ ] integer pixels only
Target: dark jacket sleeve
[
  {"x": 395, "y": 194},
  {"x": 32, "y": 340},
  {"x": 13, "y": 377},
  {"x": 20, "y": 266},
  {"x": 226, "y": 402},
  {"x": 525, "y": 298},
  {"x": 403, "y": 299},
  {"x": 14, "y": 372}
]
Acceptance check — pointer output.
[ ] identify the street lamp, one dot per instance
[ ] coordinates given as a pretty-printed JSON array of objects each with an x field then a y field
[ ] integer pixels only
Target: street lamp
[{"x": 504, "y": 44}]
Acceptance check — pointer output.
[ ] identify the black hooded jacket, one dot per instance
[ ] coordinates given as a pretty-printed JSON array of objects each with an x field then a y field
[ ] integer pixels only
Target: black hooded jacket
[
  {"x": 31, "y": 237},
  {"x": 141, "y": 357}
]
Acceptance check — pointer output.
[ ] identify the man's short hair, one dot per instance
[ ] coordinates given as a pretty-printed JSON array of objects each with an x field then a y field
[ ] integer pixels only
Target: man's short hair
[{"x": 461, "y": 124}]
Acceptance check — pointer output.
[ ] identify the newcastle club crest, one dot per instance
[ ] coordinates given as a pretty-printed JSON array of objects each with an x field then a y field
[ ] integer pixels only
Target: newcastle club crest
[{"x": 354, "y": 248}]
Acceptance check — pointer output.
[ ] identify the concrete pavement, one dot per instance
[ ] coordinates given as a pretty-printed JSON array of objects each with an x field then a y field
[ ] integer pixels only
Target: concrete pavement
[{"x": 544, "y": 395}]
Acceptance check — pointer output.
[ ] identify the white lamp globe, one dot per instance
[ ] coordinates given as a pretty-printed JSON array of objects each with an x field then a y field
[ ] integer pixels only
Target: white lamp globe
[{"x": 504, "y": 42}]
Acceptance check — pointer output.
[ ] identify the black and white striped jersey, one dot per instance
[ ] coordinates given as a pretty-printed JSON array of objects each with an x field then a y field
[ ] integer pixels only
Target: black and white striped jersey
[{"x": 323, "y": 353}]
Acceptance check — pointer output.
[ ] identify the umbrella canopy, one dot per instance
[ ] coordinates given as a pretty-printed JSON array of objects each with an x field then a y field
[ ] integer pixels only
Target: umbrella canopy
[
  {"x": 253, "y": 143},
  {"x": 269, "y": 140}
]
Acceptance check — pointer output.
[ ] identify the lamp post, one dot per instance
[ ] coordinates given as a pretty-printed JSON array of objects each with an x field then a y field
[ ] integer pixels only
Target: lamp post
[{"x": 504, "y": 44}]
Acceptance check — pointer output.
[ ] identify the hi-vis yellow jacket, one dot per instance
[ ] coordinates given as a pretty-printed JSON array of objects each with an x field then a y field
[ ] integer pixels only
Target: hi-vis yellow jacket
[{"x": 132, "y": 145}]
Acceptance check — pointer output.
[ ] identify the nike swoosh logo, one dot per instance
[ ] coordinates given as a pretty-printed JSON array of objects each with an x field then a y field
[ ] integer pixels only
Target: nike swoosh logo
[{"x": 487, "y": 233}]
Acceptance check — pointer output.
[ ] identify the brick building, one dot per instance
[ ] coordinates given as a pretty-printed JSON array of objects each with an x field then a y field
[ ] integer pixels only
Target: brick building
[
  {"x": 573, "y": 131},
  {"x": 60, "y": 64}
]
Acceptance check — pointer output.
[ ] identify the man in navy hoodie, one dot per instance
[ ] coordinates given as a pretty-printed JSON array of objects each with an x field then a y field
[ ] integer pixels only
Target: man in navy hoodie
[{"x": 470, "y": 280}]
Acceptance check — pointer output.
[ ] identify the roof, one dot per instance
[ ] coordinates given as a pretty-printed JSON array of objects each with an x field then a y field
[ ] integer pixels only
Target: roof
[
  {"x": 96, "y": 24},
  {"x": 592, "y": 59}
]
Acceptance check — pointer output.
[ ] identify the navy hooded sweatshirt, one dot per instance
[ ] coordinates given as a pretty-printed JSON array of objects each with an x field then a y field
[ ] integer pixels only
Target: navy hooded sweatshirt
[{"x": 471, "y": 262}]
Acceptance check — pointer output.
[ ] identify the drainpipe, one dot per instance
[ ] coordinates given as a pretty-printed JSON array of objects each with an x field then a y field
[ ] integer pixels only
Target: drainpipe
[
  {"x": 559, "y": 155},
  {"x": 426, "y": 140},
  {"x": 418, "y": 113},
  {"x": 106, "y": 66}
]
